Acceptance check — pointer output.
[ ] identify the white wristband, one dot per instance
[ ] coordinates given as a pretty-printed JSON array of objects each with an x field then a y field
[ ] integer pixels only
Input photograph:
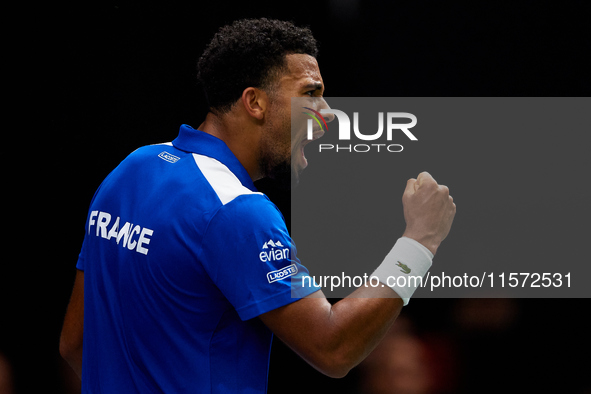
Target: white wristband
[{"x": 404, "y": 267}]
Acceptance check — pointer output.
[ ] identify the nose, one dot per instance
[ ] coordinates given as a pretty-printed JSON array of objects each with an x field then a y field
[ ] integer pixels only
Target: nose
[{"x": 324, "y": 105}]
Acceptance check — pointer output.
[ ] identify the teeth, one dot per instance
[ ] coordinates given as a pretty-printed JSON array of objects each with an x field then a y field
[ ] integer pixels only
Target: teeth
[{"x": 317, "y": 134}]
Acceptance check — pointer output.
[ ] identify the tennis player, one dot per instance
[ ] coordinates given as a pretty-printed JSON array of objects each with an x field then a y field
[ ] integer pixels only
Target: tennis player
[{"x": 186, "y": 270}]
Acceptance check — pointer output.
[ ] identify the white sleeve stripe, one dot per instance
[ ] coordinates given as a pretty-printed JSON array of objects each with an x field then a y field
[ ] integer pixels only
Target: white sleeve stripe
[
  {"x": 163, "y": 143},
  {"x": 225, "y": 184}
]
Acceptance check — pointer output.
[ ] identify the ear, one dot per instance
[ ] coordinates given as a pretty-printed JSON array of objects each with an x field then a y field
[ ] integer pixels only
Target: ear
[{"x": 255, "y": 102}]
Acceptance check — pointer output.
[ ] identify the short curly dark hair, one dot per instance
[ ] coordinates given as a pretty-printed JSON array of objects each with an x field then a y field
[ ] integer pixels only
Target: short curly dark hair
[{"x": 249, "y": 53}]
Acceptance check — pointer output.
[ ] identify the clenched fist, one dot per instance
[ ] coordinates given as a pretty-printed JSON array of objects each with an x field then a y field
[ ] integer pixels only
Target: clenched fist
[{"x": 429, "y": 211}]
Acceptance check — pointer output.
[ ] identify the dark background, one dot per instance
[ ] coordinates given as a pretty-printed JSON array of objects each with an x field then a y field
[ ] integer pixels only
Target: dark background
[{"x": 94, "y": 82}]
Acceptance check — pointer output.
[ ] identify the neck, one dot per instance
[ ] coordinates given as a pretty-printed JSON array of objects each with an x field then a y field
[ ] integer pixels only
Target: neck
[{"x": 239, "y": 138}]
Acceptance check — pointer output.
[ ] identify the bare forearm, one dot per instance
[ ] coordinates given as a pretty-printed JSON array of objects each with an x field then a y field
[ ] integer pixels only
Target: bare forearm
[{"x": 359, "y": 322}]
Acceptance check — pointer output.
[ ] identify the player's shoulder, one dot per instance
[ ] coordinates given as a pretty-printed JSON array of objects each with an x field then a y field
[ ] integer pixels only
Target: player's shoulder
[
  {"x": 225, "y": 183},
  {"x": 249, "y": 218},
  {"x": 154, "y": 150},
  {"x": 147, "y": 154},
  {"x": 249, "y": 209},
  {"x": 246, "y": 216}
]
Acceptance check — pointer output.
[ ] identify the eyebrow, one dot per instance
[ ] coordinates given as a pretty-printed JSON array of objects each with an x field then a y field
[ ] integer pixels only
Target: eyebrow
[{"x": 315, "y": 85}]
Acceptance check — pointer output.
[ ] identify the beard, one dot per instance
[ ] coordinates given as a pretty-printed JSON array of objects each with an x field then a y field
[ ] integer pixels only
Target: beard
[{"x": 276, "y": 157}]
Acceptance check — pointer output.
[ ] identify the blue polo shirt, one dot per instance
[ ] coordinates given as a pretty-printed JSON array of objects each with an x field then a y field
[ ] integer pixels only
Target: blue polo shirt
[{"x": 181, "y": 254}]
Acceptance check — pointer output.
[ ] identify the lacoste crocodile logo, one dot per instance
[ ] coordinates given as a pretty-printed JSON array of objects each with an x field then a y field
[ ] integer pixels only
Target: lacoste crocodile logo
[{"x": 404, "y": 267}]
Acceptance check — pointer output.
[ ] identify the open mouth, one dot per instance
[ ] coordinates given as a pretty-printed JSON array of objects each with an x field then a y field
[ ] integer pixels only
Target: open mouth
[{"x": 315, "y": 135}]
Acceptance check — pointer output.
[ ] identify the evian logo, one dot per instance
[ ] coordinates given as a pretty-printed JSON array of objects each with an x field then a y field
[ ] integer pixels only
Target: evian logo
[
  {"x": 273, "y": 251},
  {"x": 276, "y": 251}
]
